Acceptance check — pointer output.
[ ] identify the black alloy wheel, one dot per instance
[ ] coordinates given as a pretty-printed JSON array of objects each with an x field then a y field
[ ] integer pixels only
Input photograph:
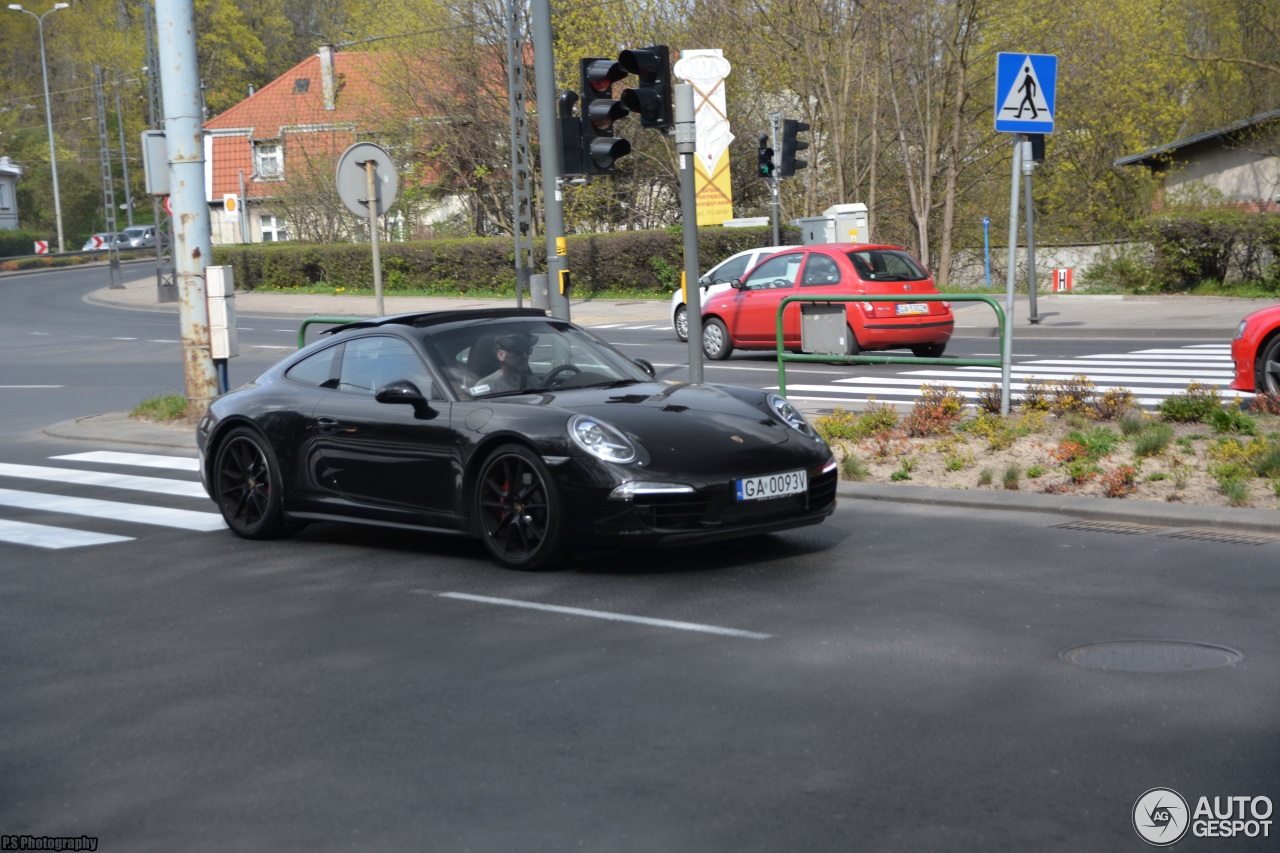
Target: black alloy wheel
[
  {"x": 517, "y": 509},
  {"x": 928, "y": 350},
  {"x": 716, "y": 344},
  {"x": 246, "y": 486},
  {"x": 682, "y": 323},
  {"x": 1267, "y": 379}
]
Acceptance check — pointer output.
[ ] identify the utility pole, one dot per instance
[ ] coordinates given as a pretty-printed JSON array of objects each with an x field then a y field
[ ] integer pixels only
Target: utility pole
[
  {"x": 686, "y": 139},
  {"x": 193, "y": 244}
]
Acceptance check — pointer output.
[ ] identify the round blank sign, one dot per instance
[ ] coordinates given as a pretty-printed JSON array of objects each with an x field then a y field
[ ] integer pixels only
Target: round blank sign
[{"x": 353, "y": 181}]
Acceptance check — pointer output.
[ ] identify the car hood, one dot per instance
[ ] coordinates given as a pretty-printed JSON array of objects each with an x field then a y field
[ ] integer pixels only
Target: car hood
[{"x": 680, "y": 423}]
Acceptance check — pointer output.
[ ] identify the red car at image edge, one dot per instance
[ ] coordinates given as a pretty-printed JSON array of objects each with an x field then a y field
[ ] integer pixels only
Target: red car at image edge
[
  {"x": 1256, "y": 352},
  {"x": 746, "y": 317}
]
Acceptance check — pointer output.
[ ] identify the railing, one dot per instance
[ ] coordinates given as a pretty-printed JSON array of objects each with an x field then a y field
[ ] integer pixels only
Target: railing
[
  {"x": 862, "y": 358},
  {"x": 331, "y": 321}
]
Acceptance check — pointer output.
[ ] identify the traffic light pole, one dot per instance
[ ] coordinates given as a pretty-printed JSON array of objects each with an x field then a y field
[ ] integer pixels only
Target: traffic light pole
[
  {"x": 686, "y": 138},
  {"x": 775, "y": 119},
  {"x": 548, "y": 132}
]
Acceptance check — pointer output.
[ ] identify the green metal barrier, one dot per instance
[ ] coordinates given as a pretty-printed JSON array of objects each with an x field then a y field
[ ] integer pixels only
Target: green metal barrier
[
  {"x": 331, "y": 321},
  {"x": 784, "y": 356}
]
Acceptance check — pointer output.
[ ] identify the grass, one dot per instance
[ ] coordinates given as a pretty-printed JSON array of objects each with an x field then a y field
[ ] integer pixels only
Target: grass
[{"x": 170, "y": 407}]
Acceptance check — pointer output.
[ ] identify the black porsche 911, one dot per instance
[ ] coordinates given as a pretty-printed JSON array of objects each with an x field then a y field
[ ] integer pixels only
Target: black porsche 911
[{"x": 526, "y": 431}]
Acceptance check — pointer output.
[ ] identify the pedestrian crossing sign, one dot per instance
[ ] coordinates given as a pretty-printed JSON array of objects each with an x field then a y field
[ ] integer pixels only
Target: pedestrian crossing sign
[{"x": 1025, "y": 84}]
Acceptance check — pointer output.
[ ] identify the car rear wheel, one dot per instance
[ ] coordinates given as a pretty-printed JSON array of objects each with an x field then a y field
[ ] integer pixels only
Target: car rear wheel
[
  {"x": 851, "y": 345},
  {"x": 716, "y": 344},
  {"x": 247, "y": 488},
  {"x": 682, "y": 323},
  {"x": 517, "y": 509},
  {"x": 1268, "y": 377},
  {"x": 929, "y": 350}
]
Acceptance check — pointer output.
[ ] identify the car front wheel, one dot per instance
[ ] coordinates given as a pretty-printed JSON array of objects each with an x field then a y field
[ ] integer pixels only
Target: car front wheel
[
  {"x": 247, "y": 487},
  {"x": 1268, "y": 378},
  {"x": 716, "y": 344},
  {"x": 517, "y": 509},
  {"x": 682, "y": 323}
]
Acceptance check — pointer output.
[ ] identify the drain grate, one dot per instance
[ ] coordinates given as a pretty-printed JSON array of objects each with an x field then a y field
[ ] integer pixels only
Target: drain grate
[
  {"x": 1124, "y": 527},
  {"x": 1232, "y": 536},
  {"x": 1152, "y": 656}
]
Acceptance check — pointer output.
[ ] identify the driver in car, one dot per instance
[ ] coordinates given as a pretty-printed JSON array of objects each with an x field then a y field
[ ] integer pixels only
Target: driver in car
[{"x": 513, "y": 374}]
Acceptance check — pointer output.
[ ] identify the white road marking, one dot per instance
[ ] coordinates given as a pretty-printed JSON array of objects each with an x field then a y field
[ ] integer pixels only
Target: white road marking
[
  {"x": 270, "y": 346},
  {"x": 113, "y": 510},
  {"x": 614, "y": 617},
  {"x": 155, "y": 485},
  {"x": 31, "y": 386},
  {"x": 138, "y": 460},
  {"x": 44, "y": 536}
]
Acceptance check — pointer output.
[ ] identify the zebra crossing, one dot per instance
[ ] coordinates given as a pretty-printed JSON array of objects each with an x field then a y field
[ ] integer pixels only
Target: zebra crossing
[
  {"x": 1151, "y": 375},
  {"x": 96, "y": 515}
]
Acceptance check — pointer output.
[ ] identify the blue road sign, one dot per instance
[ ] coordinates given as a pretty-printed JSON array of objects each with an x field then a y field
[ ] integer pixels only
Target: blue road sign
[{"x": 1025, "y": 95}]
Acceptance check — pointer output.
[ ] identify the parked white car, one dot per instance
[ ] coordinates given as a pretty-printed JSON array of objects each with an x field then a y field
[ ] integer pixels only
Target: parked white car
[
  {"x": 718, "y": 278},
  {"x": 141, "y": 236},
  {"x": 105, "y": 241}
]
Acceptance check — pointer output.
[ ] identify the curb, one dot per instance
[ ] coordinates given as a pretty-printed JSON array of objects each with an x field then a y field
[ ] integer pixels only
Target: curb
[{"x": 1151, "y": 513}]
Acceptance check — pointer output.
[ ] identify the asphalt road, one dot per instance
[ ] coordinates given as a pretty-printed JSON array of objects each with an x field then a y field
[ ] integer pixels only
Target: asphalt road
[{"x": 894, "y": 679}]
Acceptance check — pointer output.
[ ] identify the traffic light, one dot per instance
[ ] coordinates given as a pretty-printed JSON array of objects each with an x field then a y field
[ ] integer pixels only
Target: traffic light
[
  {"x": 790, "y": 145},
  {"x": 600, "y": 149},
  {"x": 570, "y": 135},
  {"x": 764, "y": 157},
  {"x": 652, "y": 99}
]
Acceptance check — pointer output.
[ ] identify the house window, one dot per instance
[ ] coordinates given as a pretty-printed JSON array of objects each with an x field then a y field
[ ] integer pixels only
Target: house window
[
  {"x": 270, "y": 161},
  {"x": 273, "y": 229},
  {"x": 4, "y": 196}
]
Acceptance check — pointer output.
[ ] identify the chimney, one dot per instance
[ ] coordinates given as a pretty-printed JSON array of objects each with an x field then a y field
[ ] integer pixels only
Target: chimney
[{"x": 328, "y": 78}]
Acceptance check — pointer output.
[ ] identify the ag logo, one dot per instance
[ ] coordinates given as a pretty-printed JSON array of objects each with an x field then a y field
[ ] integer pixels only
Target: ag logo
[{"x": 1160, "y": 816}]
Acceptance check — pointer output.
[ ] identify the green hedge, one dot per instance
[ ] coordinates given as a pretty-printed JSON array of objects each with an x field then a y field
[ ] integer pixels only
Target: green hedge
[
  {"x": 641, "y": 262},
  {"x": 15, "y": 244},
  {"x": 1210, "y": 246}
]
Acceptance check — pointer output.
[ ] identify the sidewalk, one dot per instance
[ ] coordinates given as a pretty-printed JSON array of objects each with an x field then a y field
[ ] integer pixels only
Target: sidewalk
[{"x": 1060, "y": 315}]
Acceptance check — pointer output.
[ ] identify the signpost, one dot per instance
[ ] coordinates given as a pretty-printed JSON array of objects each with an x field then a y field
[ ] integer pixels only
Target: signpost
[
  {"x": 367, "y": 185},
  {"x": 1026, "y": 98}
]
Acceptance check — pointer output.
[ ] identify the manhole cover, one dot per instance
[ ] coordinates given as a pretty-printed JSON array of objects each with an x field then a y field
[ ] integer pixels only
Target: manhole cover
[{"x": 1152, "y": 656}]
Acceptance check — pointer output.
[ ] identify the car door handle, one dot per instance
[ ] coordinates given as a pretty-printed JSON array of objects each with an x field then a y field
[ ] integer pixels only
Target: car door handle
[{"x": 327, "y": 425}]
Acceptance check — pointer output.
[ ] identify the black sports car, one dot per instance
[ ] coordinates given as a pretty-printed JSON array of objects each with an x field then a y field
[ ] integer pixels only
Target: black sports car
[{"x": 525, "y": 431}]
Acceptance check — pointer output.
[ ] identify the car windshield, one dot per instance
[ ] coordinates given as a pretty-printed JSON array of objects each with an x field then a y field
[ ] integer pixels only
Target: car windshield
[
  {"x": 491, "y": 359},
  {"x": 887, "y": 265}
]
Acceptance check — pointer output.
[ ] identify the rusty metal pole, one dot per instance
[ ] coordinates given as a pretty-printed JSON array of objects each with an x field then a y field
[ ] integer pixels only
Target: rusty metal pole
[{"x": 193, "y": 242}]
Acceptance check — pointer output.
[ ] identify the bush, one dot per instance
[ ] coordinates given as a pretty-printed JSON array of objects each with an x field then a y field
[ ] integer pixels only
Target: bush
[
  {"x": 935, "y": 411},
  {"x": 1194, "y": 248},
  {"x": 645, "y": 263},
  {"x": 1198, "y": 403}
]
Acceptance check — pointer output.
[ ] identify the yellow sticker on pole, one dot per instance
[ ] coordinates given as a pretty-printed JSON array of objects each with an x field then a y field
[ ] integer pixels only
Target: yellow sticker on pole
[
  {"x": 684, "y": 290},
  {"x": 562, "y": 246}
]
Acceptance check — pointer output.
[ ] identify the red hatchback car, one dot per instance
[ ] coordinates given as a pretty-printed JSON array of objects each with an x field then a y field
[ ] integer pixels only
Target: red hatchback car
[
  {"x": 746, "y": 316},
  {"x": 1256, "y": 352}
]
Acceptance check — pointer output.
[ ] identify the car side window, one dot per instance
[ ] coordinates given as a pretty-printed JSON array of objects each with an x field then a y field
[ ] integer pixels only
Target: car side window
[
  {"x": 369, "y": 364},
  {"x": 318, "y": 369},
  {"x": 820, "y": 270},
  {"x": 730, "y": 270},
  {"x": 775, "y": 272}
]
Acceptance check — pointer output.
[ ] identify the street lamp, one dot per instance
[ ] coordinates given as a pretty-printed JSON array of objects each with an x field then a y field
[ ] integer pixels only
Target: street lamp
[{"x": 48, "y": 113}]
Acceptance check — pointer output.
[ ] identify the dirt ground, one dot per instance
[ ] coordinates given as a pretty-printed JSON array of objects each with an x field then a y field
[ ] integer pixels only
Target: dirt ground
[{"x": 1181, "y": 473}]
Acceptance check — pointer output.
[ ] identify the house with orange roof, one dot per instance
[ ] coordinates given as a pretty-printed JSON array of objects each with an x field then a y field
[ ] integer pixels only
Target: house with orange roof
[{"x": 278, "y": 138}]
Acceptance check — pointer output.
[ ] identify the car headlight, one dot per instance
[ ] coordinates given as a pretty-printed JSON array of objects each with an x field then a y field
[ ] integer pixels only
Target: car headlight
[
  {"x": 601, "y": 440},
  {"x": 1240, "y": 329},
  {"x": 793, "y": 417}
]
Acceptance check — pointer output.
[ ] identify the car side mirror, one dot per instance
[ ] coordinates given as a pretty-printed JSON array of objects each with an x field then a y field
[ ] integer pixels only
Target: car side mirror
[
  {"x": 405, "y": 393},
  {"x": 646, "y": 366},
  {"x": 737, "y": 284}
]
